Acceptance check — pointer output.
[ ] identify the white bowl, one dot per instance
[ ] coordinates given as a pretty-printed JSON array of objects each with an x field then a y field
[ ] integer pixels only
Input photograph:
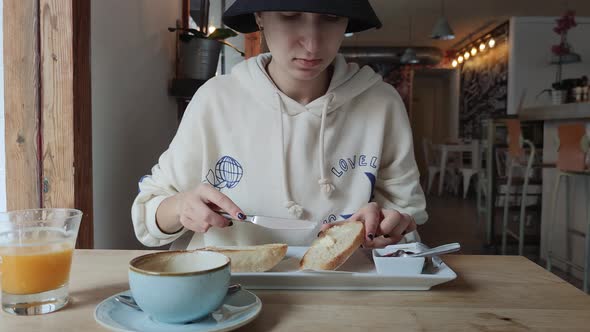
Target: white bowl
[{"x": 399, "y": 265}]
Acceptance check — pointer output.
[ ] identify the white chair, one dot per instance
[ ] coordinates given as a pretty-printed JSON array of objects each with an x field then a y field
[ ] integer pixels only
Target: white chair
[
  {"x": 470, "y": 170},
  {"x": 521, "y": 155},
  {"x": 432, "y": 159},
  {"x": 433, "y": 168},
  {"x": 571, "y": 166}
]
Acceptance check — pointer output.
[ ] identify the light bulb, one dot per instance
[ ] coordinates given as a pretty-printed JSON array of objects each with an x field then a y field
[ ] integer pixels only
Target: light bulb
[
  {"x": 460, "y": 59},
  {"x": 473, "y": 51},
  {"x": 482, "y": 47},
  {"x": 492, "y": 43},
  {"x": 455, "y": 63},
  {"x": 466, "y": 55}
]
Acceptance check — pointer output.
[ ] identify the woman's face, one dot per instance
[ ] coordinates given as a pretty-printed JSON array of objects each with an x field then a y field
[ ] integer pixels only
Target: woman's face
[{"x": 303, "y": 45}]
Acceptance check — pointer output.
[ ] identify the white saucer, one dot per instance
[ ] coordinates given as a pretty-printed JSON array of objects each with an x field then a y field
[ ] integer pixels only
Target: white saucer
[{"x": 237, "y": 310}]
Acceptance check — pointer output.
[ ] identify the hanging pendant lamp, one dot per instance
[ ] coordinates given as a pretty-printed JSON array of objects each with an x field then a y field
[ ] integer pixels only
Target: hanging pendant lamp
[
  {"x": 409, "y": 57},
  {"x": 442, "y": 30}
]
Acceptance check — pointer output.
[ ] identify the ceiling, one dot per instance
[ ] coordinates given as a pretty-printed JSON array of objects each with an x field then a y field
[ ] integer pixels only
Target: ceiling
[{"x": 465, "y": 17}]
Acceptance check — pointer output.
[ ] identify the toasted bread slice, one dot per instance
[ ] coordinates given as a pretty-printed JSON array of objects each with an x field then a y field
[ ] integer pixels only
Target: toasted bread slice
[
  {"x": 253, "y": 258},
  {"x": 334, "y": 246}
]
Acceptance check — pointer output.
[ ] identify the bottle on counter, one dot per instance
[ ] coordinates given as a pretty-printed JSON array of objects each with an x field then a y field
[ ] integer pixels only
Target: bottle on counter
[
  {"x": 584, "y": 89},
  {"x": 578, "y": 94}
]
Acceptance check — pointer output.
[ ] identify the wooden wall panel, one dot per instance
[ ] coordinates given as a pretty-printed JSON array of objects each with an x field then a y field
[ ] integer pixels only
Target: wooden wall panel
[
  {"x": 48, "y": 107},
  {"x": 21, "y": 106},
  {"x": 57, "y": 103}
]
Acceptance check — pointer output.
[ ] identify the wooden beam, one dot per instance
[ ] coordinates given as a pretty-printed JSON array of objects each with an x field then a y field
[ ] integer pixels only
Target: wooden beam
[
  {"x": 57, "y": 103},
  {"x": 21, "y": 77},
  {"x": 83, "y": 122},
  {"x": 253, "y": 44},
  {"x": 186, "y": 7},
  {"x": 48, "y": 107}
]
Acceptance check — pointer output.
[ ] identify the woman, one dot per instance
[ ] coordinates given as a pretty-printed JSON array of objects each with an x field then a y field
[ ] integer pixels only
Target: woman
[{"x": 295, "y": 133}]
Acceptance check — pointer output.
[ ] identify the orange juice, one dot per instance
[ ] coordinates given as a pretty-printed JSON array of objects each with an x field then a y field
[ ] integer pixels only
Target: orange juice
[
  {"x": 36, "y": 273},
  {"x": 35, "y": 261}
]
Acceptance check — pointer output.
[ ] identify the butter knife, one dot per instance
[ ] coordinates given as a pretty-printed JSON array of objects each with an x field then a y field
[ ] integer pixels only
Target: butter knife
[{"x": 275, "y": 223}]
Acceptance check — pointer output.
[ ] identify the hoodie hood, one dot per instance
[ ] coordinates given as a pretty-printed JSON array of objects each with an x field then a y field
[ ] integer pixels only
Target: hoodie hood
[{"x": 348, "y": 81}]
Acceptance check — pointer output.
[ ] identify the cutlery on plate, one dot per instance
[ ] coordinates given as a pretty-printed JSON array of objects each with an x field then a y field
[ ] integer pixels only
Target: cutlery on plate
[{"x": 440, "y": 250}]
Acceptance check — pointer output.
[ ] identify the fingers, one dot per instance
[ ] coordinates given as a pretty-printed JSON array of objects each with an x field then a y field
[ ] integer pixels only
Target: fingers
[
  {"x": 199, "y": 209},
  {"x": 393, "y": 228},
  {"x": 391, "y": 220},
  {"x": 412, "y": 225},
  {"x": 210, "y": 195},
  {"x": 383, "y": 227},
  {"x": 370, "y": 214},
  {"x": 198, "y": 217},
  {"x": 195, "y": 226}
]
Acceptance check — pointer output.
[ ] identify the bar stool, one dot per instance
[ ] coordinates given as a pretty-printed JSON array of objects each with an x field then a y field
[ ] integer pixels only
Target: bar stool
[
  {"x": 573, "y": 146},
  {"x": 517, "y": 158}
]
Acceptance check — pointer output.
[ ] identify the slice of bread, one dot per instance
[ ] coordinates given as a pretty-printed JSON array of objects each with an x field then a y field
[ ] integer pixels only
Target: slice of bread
[
  {"x": 334, "y": 246},
  {"x": 252, "y": 258}
]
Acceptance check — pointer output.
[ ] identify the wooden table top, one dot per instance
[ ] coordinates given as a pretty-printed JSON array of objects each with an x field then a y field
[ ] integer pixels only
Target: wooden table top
[{"x": 491, "y": 293}]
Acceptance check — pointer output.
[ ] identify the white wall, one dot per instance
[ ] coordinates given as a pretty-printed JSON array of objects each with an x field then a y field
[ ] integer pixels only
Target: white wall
[
  {"x": 133, "y": 118},
  {"x": 2, "y": 123},
  {"x": 531, "y": 39}
]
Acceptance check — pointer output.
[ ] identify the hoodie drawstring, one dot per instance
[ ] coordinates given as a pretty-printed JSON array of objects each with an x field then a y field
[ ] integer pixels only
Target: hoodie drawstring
[
  {"x": 294, "y": 209},
  {"x": 326, "y": 186}
]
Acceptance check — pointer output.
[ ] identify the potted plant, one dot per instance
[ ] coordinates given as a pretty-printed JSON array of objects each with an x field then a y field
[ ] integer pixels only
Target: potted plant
[
  {"x": 200, "y": 48},
  {"x": 563, "y": 52}
]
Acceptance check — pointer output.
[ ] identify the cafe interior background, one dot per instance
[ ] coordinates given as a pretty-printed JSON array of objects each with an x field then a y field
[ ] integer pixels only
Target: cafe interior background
[{"x": 520, "y": 60}]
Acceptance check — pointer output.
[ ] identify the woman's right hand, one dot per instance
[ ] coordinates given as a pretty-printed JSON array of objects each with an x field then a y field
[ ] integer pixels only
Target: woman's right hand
[{"x": 197, "y": 210}]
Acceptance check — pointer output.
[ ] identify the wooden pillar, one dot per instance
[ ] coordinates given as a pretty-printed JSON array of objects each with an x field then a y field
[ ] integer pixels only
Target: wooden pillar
[
  {"x": 83, "y": 122},
  {"x": 57, "y": 103},
  {"x": 48, "y": 107},
  {"x": 21, "y": 106}
]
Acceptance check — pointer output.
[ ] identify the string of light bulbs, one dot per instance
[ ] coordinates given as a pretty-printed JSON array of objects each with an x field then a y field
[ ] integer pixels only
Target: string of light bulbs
[{"x": 473, "y": 49}]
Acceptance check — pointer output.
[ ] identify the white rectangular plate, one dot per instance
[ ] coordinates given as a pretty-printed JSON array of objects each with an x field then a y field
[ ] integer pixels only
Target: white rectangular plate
[{"x": 358, "y": 273}]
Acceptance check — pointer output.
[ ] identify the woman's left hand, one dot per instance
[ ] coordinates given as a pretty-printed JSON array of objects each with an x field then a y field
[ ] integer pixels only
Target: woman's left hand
[{"x": 382, "y": 227}]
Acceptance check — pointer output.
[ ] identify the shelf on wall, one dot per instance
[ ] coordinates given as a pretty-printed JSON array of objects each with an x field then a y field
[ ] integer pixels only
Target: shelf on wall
[
  {"x": 572, "y": 111},
  {"x": 185, "y": 88}
]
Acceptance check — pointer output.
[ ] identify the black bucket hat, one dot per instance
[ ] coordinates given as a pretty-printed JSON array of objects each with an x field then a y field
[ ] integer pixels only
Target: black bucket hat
[{"x": 361, "y": 16}]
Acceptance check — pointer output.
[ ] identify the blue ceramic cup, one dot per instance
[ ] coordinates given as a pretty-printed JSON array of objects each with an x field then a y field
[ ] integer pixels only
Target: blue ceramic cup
[{"x": 179, "y": 286}]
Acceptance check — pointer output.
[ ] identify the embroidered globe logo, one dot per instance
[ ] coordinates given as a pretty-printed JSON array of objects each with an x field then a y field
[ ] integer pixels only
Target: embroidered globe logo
[{"x": 229, "y": 172}]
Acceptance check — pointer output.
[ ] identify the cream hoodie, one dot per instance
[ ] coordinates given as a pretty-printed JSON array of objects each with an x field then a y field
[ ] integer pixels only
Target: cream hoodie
[{"x": 275, "y": 157}]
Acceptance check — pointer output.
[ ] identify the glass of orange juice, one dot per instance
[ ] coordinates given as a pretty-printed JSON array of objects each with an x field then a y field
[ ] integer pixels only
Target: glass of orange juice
[{"x": 36, "y": 248}]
